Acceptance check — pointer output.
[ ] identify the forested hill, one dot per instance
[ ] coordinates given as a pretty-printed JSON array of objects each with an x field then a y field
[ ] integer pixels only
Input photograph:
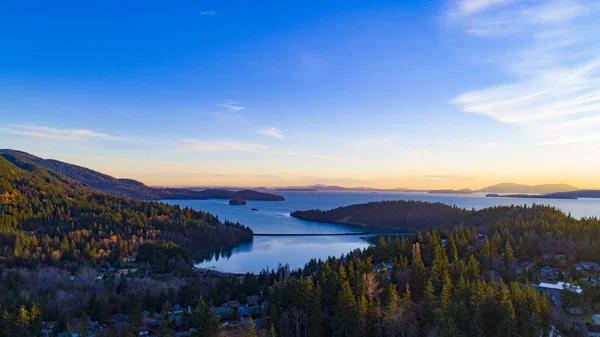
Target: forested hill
[
  {"x": 417, "y": 215},
  {"x": 389, "y": 214},
  {"x": 46, "y": 217},
  {"x": 132, "y": 188}
]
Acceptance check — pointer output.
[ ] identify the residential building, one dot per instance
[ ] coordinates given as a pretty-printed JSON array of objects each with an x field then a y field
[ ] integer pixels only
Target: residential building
[
  {"x": 588, "y": 266},
  {"x": 591, "y": 330},
  {"x": 522, "y": 267}
]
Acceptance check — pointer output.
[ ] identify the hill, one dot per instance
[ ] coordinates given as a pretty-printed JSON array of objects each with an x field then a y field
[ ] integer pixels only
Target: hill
[
  {"x": 418, "y": 215},
  {"x": 132, "y": 188},
  {"x": 534, "y": 189},
  {"x": 559, "y": 195},
  {"x": 399, "y": 214},
  {"x": 46, "y": 217}
]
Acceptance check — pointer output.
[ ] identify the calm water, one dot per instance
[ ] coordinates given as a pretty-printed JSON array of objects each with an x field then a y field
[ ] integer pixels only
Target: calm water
[{"x": 273, "y": 217}]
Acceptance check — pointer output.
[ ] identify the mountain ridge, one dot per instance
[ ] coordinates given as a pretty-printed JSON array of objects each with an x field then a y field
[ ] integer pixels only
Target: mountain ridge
[{"x": 133, "y": 188}]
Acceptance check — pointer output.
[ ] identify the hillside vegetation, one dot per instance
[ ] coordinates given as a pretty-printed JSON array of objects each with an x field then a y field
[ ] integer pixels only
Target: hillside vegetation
[
  {"x": 417, "y": 215},
  {"x": 46, "y": 217},
  {"x": 132, "y": 188}
]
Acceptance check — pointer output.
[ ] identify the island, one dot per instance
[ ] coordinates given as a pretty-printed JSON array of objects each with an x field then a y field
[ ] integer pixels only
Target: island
[
  {"x": 400, "y": 214},
  {"x": 419, "y": 215},
  {"x": 237, "y": 202}
]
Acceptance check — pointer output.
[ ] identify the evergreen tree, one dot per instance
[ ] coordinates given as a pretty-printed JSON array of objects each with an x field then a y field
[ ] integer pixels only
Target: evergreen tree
[
  {"x": 205, "y": 321},
  {"x": 344, "y": 319},
  {"x": 251, "y": 330},
  {"x": 418, "y": 276}
]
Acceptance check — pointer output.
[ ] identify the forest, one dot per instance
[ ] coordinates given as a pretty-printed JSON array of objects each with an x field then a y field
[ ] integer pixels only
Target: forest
[
  {"x": 79, "y": 258},
  {"x": 48, "y": 218}
]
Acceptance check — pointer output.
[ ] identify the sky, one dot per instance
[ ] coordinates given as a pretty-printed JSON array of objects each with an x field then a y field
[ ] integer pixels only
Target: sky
[{"x": 387, "y": 94}]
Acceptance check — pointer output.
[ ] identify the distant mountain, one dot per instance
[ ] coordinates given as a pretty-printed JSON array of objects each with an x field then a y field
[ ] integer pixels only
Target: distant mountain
[
  {"x": 535, "y": 189},
  {"x": 321, "y": 187},
  {"x": 133, "y": 188},
  {"x": 559, "y": 195},
  {"x": 463, "y": 191}
]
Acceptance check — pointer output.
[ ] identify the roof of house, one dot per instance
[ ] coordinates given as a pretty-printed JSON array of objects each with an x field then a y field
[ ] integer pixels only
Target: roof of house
[
  {"x": 561, "y": 286},
  {"x": 593, "y": 327}
]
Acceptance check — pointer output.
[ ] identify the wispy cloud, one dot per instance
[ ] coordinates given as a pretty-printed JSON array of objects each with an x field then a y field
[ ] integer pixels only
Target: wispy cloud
[
  {"x": 77, "y": 135},
  {"x": 551, "y": 49},
  {"x": 448, "y": 177},
  {"x": 468, "y": 7},
  {"x": 231, "y": 105},
  {"x": 216, "y": 146},
  {"x": 271, "y": 132},
  {"x": 209, "y": 13},
  {"x": 413, "y": 153},
  {"x": 370, "y": 142},
  {"x": 307, "y": 155},
  {"x": 487, "y": 146}
]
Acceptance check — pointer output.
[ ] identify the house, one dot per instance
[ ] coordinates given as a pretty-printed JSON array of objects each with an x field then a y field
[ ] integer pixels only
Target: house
[
  {"x": 561, "y": 286},
  {"x": 176, "y": 310},
  {"x": 522, "y": 267},
  {"x": 547, "y": 271},
  {"x": 381, "y": 266},
  {"x": 591, "y": 330},
  {"x": 588, "y": 266},
  {"x": 253, "y": 299},
  {"x": 119, "y": 318},
  {"x": 247, "y": 311},
  {"x": 224, "y": 312},
  {"x": 232, "y": 304},
  {"x": 594, "y": 280},
  {"x": 553, "y": 291},
  {"x": 47, "y": 328}
]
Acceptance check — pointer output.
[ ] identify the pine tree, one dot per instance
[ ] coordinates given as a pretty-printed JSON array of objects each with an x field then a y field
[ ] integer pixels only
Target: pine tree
[
  {"x": 509, "y": 254},
  {"x": 251, "y": 331},
  {"x": 418, "y": 277},
  {"x": 35, "y": 324},
  {"x": 205, "y": 321},
  {"x": 363, "y": 309},
  {"x": 446, "y": 293},
  {"x": 428, "y": 299},
  {"x": 344, "y": 319},
  {"x": 23, "y": 319}
]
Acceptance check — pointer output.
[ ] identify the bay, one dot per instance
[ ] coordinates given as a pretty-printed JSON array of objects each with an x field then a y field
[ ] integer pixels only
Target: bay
[{"x": 274, "y": 218}]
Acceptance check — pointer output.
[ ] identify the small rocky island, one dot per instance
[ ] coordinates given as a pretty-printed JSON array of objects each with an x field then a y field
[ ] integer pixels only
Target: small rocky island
[{"x": 237, "y": 201}]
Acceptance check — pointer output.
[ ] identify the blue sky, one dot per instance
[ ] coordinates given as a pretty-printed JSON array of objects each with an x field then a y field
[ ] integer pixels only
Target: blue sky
[{"x": 442, "y": 94}]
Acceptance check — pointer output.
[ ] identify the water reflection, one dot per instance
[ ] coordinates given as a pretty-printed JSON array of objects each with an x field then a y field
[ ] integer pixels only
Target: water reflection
[
  {"x": 223, "y": 252},
  {"x": 273, "y": 217}
]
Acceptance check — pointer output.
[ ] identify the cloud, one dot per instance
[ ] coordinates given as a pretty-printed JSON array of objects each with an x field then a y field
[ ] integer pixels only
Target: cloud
[
  {"x": 551, "y": 50},
  {"x": 216, "y": 146},
  {"x": 209, "y": 13},
  {"x": 231, "y": 105},
  {"x": 370, "y": 142},
  {"x": 271, "y": 132},
  {"x": 487, "y": 146},
  {"x": 308, "y": 155},
  {"x": 469, "y": 7},
  {"x": 448, "y": 177},
  {"x": 77, "y": 135},
  {"x": 413, "y": 153}
]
